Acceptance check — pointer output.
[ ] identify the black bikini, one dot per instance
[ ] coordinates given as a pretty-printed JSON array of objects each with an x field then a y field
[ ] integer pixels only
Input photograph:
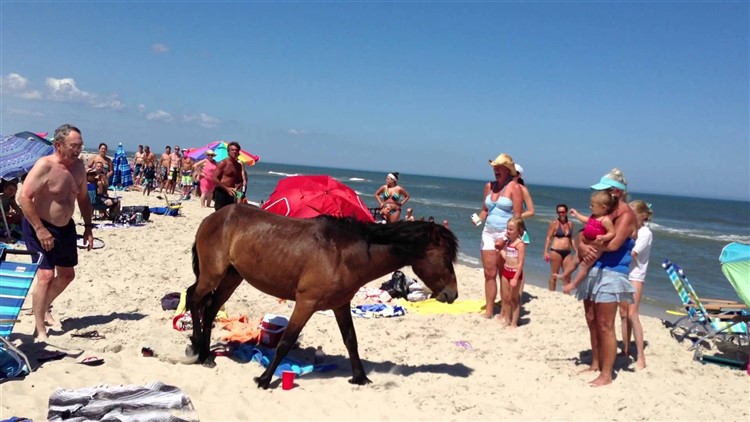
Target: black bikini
[{"x": 560, "y": 233}]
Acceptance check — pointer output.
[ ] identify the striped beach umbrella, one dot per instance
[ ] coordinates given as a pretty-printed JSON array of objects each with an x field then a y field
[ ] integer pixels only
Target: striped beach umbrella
[
  {"x": 19, "y": 152},
  {"x": 122, "y": 176},
  {"x": 220, "y": 148}
]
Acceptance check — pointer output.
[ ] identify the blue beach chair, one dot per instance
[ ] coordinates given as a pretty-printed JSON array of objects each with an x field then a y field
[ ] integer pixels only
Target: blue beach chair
[
  {"x": 15, "y": 282},
  {"x": 710, "y": 317}
]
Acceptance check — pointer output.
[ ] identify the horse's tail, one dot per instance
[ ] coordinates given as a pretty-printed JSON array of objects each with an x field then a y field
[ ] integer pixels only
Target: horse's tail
[{"x": 196, "y": 262}]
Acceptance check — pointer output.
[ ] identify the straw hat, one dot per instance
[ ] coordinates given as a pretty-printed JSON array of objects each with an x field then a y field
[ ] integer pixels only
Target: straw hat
[
  {"x": 210, "y": 152},
  {"x": 506, "y": 161}
]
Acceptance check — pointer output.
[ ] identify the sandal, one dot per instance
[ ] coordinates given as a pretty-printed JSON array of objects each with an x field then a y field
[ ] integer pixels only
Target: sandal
[
  {"x": 93, "y": 335},
  {"x": 91, "y": 361}
]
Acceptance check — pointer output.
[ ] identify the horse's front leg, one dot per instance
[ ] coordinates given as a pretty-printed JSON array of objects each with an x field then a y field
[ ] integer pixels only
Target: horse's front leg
[
  {"x": 346, "y": 326},
  {"x": 300, "y": 315},
  {"x": 195, "y": 305},
  {"x": 219, "y": 297}
]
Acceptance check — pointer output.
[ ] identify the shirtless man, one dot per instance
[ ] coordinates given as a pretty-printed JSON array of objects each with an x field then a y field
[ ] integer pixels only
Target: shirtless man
[
  {"x": 48, "y": 198},
  {"x": 164, "y": 168},
  {"x": 175, "y": 159},
  {"x": 149, "y": 158},
  {"x": 138, "y": 162},
  {"x": 186, "y": 171},
  {"x": 109, "y": 168},
  {"x": 228, "y": 178}
]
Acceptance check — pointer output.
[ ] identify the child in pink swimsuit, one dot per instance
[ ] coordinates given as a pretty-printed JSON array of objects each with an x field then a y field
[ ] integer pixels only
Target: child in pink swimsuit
[{"x": 598, "y": 227}]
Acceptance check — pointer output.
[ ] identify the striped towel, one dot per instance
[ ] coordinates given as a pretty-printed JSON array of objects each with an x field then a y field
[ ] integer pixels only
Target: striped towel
[{"x": 152, "y": 402}]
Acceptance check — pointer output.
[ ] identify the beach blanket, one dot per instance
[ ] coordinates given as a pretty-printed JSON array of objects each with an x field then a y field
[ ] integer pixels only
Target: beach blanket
[
  {"x": 152, "y": 402},
  {"x": 433, "y": 307}
]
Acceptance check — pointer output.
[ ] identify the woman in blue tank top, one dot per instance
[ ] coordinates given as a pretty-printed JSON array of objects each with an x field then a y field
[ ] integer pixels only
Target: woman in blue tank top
[
  {"x": 607, "y": 284},
  {"x": 502, "y": 200}
]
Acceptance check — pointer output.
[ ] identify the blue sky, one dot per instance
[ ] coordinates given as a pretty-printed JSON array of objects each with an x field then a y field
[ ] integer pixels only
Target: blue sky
[{"x": 569, "y": 89}]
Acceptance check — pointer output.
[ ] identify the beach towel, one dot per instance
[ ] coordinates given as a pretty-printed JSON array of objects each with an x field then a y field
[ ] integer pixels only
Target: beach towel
[
  {"x": 378, "y": 311},
  {"x": 239, "y": 329},
  {"x": 264, "y": 356},
  {"x": 433, "y": 307},
  {"x": 171, "y": 211},
  {"x": 152, "y": 402}
]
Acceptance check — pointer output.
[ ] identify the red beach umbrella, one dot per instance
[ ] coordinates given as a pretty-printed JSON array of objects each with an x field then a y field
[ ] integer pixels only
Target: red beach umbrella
[{"x": 311, "y": 196}]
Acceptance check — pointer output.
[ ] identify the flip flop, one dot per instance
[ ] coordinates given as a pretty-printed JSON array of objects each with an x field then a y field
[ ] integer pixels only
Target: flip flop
[
  {"x": 80, "y": 242},
  {"x": 91, "y": 361},
  {"x": 48, "y": 355},
  {"x": 221, "y": 351},
  {"x": 93, "y": 335}
]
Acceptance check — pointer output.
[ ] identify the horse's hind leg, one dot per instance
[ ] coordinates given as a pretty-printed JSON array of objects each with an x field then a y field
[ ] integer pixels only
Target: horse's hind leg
[
  {"x": 226, "y": 287},
  {"x": 346, "y": 326},
  {"x": 300, "y": 315}
]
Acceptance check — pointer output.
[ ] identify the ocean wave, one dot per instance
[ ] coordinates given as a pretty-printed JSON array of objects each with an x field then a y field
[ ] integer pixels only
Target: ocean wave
[
  {"x": 277, "y": 173},
  {"x": 446, "y": 204},
  {"x": 358, "y": 179},
  {"x": 469, "y": 260},
  {"x": 700, "y": 234}
]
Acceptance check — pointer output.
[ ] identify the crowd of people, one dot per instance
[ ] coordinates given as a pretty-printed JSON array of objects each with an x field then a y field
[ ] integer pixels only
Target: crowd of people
[{"x": 610, "y": 253}]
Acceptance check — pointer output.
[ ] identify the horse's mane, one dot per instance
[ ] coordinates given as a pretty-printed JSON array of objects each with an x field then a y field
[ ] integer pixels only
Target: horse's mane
[{"x": 409, "y": 239}]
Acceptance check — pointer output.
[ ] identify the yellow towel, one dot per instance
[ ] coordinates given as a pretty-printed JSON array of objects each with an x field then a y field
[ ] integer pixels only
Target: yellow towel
[
  {"x": 182, "y": 307},
  {"x": 433, "y": 307}
]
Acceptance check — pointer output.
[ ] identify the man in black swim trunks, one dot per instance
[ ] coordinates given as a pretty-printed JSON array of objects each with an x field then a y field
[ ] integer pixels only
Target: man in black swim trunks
[
  {"x": 228, "y": 178},
  {"x": 48, "y": 198}
]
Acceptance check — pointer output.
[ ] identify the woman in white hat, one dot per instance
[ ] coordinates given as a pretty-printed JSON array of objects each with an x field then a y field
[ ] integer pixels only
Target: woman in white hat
[
  {"x": 503, "y": 199},
  {"x": 391, "y": 198}
]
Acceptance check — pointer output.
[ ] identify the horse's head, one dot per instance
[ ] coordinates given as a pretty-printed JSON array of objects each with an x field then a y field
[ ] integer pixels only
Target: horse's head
[{"x": 435, "y": 269}]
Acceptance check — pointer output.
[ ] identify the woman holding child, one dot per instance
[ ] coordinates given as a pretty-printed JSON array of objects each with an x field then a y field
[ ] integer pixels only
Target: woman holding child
[
  {"x": 606, "y": 285},
  {"x": 502, "y": 200}
]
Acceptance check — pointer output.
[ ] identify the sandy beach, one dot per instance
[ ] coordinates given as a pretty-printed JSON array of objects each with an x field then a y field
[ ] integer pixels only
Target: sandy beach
[{"x": 419, "y": 372}]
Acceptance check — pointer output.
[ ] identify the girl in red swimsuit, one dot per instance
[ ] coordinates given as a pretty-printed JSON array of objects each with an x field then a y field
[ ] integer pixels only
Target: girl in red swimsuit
[{"x": 515, "y": 253}]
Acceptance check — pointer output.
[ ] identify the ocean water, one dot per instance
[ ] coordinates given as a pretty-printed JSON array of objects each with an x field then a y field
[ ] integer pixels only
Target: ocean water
[{"x": 688, "y": 231}]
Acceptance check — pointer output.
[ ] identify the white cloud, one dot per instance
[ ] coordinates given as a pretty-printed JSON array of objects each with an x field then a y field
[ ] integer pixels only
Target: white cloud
[
  {"x": 66, "y": 90},
  {"x": 159, "y": 48},
  {"x": 23, "y": 112},
  {"x": 202, "y": 119},
  {"x": 297, "y": 132},
  {"x": 141, "y": 108},
  {"x": 14, "y": 82},
  {"x": 31, "y": 95},
  {"x": 160, "y": 115}
]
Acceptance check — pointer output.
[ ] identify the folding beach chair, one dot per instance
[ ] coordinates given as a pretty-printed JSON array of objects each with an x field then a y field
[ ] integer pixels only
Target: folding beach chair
[
  {"x": 714, "y": 317},
  {"x": 15, "y": 281},
  {"x": 735, "y": 264}
]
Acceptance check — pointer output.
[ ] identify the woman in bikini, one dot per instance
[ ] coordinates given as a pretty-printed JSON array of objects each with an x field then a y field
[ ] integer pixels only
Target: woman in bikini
[
  {"x": 558, "y": 246},
  {"x": 391, "y": 198}
]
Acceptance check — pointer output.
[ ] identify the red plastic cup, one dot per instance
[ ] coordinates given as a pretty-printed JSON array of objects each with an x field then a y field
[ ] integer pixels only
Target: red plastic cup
[{"x": 287, "y": 380}]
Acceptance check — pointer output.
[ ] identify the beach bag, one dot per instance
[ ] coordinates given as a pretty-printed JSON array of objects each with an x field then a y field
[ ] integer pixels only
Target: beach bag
[
  {"x": 398, "y": 285},
  {"x": 12, "y": 365},
  {"x": 144, "y": 211}
]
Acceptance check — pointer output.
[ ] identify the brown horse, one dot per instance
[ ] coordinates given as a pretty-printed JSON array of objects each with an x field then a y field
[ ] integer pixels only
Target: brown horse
[{"x": 319, "y": 263}]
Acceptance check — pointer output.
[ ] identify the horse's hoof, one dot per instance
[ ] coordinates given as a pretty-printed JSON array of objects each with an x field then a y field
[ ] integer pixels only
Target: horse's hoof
[
  {"x": 363, "y": 380},
  {"x": 208, "y": 361},
  {"x": 262, "y": 383}
]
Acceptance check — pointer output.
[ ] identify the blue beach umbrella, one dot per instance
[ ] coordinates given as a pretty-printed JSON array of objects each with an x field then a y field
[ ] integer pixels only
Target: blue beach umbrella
[
  {"x": 19, "y": 152},
  {"x": 122, "y": 176}
]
